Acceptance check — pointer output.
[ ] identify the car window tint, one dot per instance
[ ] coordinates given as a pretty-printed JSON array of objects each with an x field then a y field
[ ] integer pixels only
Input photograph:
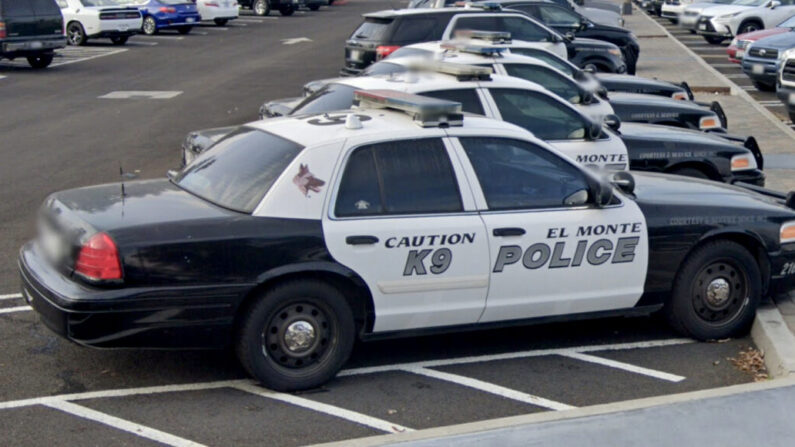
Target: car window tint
[
  {"x": 45, "y": 7},
  {"x": 554, "y": 82},
  {"x": 372, "y": 29},
  {"x": 515, "y": 174},
  {"x": 237, "y": 171},
  {"x": 524, "y": 29},
  {"x": 557, "y": 16},
  {"x": 542, "y": 115},
  {"x": 383, "y": 68},
  {"x": 547, "y": 57},
  {"x": 468, "y": 98},
  {"x": 16, "y": 8},
  {"x": 412, "y": 177},
  {"x": 414, "y": 29},
  {"x": 329, "y": 98},
  {"x": 478, "y": 23}
]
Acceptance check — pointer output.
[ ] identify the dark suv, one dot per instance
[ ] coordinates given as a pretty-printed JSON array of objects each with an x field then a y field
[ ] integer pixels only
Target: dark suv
[{"x": 32, "y": 29}]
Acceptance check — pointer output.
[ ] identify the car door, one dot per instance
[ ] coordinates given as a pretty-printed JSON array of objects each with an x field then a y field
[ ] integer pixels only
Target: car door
[
  {"x": 403, "y": 218},
  {"x": 552, "y": 250},
  {"x": 521, "y": 28},
  {"x": 560, "y": 19},
  {"x": 779, "y": 14},
  {"x": 552, "y": 120}
]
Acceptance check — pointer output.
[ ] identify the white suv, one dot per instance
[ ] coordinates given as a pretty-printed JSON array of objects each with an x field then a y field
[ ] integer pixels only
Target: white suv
[
  {"x": 84, "y": 19},
  {"x": 219, "y": 11}
]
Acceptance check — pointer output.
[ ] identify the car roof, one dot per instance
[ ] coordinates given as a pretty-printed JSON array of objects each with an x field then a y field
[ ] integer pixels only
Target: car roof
[
  {"x": 382, "y": 124},
  {"x": 414, "y": 82},
  {"x": 461, "y": 57}
]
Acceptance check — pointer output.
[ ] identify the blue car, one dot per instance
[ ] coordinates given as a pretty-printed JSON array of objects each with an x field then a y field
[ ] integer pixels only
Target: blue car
[
  {"x": 763, "y": 58},
  {"x": 181, "y": 15}
]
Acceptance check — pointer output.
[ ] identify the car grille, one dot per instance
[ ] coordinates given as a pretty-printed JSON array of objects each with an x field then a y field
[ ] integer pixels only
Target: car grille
[
  {"x": 788, "y": 72},
  {"x": 119, "y": 15},
  {"x": 764, "y": 53}
]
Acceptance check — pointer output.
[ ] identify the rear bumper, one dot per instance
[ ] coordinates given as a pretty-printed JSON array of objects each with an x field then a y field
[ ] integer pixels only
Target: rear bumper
[
  {"x": 186, "y": 317},
  {"x": 33, "y": 45}
]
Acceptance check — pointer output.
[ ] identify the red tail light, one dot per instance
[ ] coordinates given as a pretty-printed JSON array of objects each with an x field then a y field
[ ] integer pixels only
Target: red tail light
[
  {"x": 383, "y": 51},
  {"x": 99, "y": 259},
  {"x": 2, "y": 30},
  {"x": 212, "y": 4},
  {"x": 168, "y": 9}
]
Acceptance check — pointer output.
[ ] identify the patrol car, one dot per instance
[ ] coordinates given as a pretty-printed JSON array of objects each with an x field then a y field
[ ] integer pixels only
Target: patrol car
[{"x": 295, "y": 236}]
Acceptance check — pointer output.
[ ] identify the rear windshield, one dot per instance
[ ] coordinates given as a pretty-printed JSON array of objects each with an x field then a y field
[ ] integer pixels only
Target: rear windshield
[
  {"x": 372, "y": 29},
  {"x": 237, "y": 171},
  {"x": 415, "y": 29},
  {"x": 329, "y": 98}
]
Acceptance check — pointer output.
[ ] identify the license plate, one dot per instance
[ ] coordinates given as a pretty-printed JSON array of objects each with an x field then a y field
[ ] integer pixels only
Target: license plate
[
  {"x": 36, "y": 45},
  {"x": 739, "y": 54},
  {"x": 758, "y": 69},
  {"x": 792, "y": 98},
  {"x": 702, "y": 26},
  {"x": 190, "y": 20},
  {"x": 356, "y": 55}
]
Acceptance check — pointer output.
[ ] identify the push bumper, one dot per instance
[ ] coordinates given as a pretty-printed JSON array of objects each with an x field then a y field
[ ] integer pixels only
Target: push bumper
[
  {"x": 161, "y": 318},
  {"x": 782, "y": 270}
]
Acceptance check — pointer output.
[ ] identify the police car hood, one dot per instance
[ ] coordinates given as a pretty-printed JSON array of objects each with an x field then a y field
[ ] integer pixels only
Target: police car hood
[
  {"x": 670, "y": 133},
  {"x": 720, "y": 10},
  {"x": 762, "y": 33},
  {"x": 654, "y": 190},
  {"x": 639, "y": 99},
  {"x": 582, "y": 42},
  {"x": 631, "y": 79},
  {"x": 778, "y": 41}
]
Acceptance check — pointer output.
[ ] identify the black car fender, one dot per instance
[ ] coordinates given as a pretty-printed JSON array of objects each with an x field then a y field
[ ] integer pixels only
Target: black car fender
[{"x": 752, "y": 242}]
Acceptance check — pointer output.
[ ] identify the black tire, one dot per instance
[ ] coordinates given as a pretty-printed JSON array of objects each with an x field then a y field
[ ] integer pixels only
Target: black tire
[
  {"x": 714, "y": 40},
  {"x": 749, "y": 27},
  {"x": 119, "y": 40},
  {"x": 41, "y": 60},
  {"x": 730, "y": 309},
  {"x": 221, "y": 22},
  {"x": 149, "y": 26},
  {"x": 261, "y": 7},
  {"x": 184, "y": 29},
  {"x": 791, "y": 115},
  {"x": 691, "y": 172},
  {"x": 313, "y": 7},
  {"x": 263, "y": 347},
  {"x": 764, "y": 87},
  {"x": 75, "y": 34},
  {"x": 287, "y": 10}
]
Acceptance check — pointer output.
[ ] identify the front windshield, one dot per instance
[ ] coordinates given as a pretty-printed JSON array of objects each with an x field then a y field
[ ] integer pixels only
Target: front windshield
[
  {"x": 236, "y": 172},
  {"x": 329, "y": 98},
  {"x": 750, "y": 2},
  {"x": 789, "y": 23},
  {"x": 105, "y": 2},
  {"x": 547, "y": 57}
]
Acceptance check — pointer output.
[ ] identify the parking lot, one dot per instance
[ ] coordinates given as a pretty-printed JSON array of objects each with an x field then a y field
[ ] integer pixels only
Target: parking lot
[{"x": 100, "y": 108}]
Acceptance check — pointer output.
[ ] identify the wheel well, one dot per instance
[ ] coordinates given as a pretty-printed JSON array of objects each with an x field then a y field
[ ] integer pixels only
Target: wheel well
[
  {"x": 358, "y": 297},
  {"x": 599, "y": 63},
  {"x": 753, "y": 246},
  {"x": 751, "y": 20},
  {"x": 706, "y": 168}
]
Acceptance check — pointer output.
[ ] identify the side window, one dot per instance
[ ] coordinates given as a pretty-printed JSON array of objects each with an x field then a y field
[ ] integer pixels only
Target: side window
[
  {"x": 515, "y": 174},
  {"x": 556, "y": 16},
  {"x": 414, "y": 29},
  {"x": 478, "y": 23},
  {"x": 398, "y": 177},
  {"x": 17, "y": 8},
  {"x": 524, "y": 29},
  {"x": 467, "y": 97},
  {"x": 44, "y": 7},
  {"x": 554, "y": 82},
  {"x": 544, "y": 116}
]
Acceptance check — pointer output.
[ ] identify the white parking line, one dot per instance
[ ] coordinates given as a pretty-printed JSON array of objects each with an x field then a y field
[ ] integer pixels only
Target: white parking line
[
  {"x": 490, "y": 388},
  {"x": 122, "y": 424},
  {"x": 165, "y": 37},
  {"x": 138, "y": 42},
  {"x": 331, "y": 410},
  {"x": 10, "y": 296},
  {"x": 140, "y": 94},
  {"x": 2, "y": 77},
  {"x": 87, "y": 58},
  {"x": 10, "y": 310},
  {"x": 200, "y": 33},
  {"x": 625, "y": 366}
]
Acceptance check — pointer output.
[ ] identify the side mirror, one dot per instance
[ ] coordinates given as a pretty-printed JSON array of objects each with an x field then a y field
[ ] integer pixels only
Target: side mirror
[
  {"x": 586, "y": 97},
  {"x": 584, "y": 23},
  {"x": 775, "y": 4},
  {"x": 603, "y": 193},
  {"x": 589, "y": 69},
  {"x": 613, "y": 121},
  {"x": 624, "y": 181},
  {"x": 569, "y": 36},
  {"x": 594, "y": 131}
]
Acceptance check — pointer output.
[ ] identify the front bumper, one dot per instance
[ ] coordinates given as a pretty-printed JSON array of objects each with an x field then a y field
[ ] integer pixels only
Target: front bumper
[
  {"x": 170, "y": 318},
  {"x": 32, "y": 46},
  {"x": 713, "y": 28},
  {"x": 782, "y": 273},
  {"x": 761, "y": 70}
]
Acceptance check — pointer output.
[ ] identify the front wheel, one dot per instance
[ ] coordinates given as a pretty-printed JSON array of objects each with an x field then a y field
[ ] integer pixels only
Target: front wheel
[
  {"x": 286, "y": 10},
  {"x": 296, "y": 336},
  {"x": 184, "y": 29},
  {"x": 262, "y": 7},
  {"x": 716, "y": 292},
  {"x": 39, "y": 61},
  {"x": 119, "y": 40},
  {"x": 150, "y": 26}
]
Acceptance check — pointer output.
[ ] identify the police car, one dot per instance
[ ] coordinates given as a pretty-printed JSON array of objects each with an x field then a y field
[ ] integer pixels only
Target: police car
[{"x": 295, "y": 236}]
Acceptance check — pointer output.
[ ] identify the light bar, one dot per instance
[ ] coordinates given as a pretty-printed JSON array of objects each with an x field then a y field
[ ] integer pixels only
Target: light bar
[
  {"x": 481, "y": 50},
  {"x": 462, "y": 72},
  {"x": 501, "y": 37},
  {"x": 424, "y": 110}
]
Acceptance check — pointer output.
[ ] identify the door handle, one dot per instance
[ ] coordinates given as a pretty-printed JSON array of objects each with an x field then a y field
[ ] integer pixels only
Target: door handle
[
  {"x": 508, "y": 231},
  {"x": 361, "y": 240}
]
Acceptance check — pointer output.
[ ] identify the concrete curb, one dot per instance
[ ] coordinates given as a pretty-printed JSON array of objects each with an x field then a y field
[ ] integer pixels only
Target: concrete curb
[
  {"x": 773, "y": 337},
  {"x": 735, "y": 91},
  {"x": 552, "y": 416}
]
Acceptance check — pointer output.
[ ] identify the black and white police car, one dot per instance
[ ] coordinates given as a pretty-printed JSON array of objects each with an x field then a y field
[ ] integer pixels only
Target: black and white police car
[{"x": 295, "y": 236}]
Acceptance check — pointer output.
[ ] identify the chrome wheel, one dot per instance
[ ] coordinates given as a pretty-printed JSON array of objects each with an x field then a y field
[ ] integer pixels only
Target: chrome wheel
[
  {"x": 261, "y": 8},
  {"x": 150, "y": 26},
  {"x": 75, "y": 34}
]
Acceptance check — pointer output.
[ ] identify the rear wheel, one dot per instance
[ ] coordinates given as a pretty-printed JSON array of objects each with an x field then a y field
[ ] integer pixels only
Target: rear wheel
[
  {"x": 75, "y": 34},
  {"x": 296, "y": 336},
  {"x": 714, "y": 40},
  {"x": 764, "y": 87},
  {"x": 716, "y": 292},
  {"x": 150, "y": 26},
  {"x": 221, "y": 22},
  {"x": 119, "y": 40},
  {"x": 286, "y": 10},
  {"x": 184, "y": 29},
  {"x": 41, "y": 60},
  {"x": 262, "y": 7}
]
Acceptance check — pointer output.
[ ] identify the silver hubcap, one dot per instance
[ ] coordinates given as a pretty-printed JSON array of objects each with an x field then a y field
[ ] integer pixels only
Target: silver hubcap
[
  {"x": 74, "y": 36},
  {"x": 260, "y": 8},
  {"x": 149, "y": 26},
  {"x": 299, "y": 336},
  {"x": 718, "y": 292}
]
